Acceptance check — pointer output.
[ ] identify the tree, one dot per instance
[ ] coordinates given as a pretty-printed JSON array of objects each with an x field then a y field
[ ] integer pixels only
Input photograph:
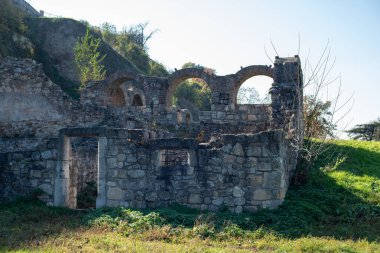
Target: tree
[
  {"x": 199, "y": 94},
  {"x": 249, "y": 95},
  {"x": 131, "y": 42},
  {"x": 88, "y": 59},
  {"x": 194, "y": 90},
  {"x": 366, "y": 132},
  {"x": 317, "y": 123},
  {"x": 324, "y": 109},
  {"x": 137, "y": 34}
]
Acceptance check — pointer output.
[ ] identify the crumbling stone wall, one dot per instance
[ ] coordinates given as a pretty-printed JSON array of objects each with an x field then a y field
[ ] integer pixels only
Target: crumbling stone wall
[
  {"x": 238, "y": 156},
  {"x": 242, "y": 172},
  {"x": 27, "y": 164}
]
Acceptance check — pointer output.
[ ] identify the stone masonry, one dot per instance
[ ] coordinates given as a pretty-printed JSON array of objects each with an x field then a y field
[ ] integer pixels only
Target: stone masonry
[{"x": 125, "y": 134}]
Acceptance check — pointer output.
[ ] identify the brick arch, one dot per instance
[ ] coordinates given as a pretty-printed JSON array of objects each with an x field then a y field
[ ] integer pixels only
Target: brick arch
[
  {"x": 181, "y": 75},
  {"x": 248, "y": 72},
  {"x": 122, "y": 76},
  {"x": 116, "y": 93}
]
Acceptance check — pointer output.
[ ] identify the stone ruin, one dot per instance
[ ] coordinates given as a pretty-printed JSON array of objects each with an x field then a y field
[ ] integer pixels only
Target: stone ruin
[{"x": 141, "y": 152}]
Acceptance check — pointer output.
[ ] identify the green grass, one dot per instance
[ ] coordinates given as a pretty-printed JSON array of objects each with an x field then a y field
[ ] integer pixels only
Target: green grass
[{"x": 337, "y": 211}]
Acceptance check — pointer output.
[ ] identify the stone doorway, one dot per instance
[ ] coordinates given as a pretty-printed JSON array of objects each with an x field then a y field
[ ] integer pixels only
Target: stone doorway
[{"x": 80, "y": 172}]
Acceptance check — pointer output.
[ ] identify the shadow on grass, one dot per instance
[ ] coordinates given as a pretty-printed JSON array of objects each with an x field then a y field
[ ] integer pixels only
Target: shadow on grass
[
  {"x": 27, "y": 220},
  {"x": 323, "y": 207}
]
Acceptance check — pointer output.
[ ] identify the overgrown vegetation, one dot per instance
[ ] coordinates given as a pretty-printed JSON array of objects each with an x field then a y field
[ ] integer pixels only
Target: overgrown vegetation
[
  {"x": 194, "y": 91},
  {"x": 131, "y": 42},
  {"x": 88, "y": 59},
  {"x": 338, "y": 210},
  {"x": 249, "y": 95},
  {"x": 12, "y": 29},
  {"x": 86, "y": 198},
  {"x": 317, "y": 114}
]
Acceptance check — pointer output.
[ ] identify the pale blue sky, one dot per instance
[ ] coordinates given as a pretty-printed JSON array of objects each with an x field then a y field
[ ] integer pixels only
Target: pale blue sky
[{"x": 225, "y": 35}]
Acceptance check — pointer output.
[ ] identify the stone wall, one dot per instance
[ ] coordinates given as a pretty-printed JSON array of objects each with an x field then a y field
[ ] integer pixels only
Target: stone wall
[
  {"x": 31, "y": 105},
  {"x": 26, "y": 165},
  {"x": 246, "y": 173},
  {"x": 238, "y": 156}
]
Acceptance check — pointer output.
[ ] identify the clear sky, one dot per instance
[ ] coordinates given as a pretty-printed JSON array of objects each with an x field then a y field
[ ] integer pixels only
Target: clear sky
[{"x": 227, "y": 34}]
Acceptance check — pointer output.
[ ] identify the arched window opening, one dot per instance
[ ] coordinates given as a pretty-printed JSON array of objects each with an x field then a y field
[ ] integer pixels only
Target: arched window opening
[
  {"x": 255, "y": 91},
  {"x": 116, "y": 96},
  {"x": 192, "y": 93},
  {"x": 188, "y": 118},
  {"x": 137, "y": 101}
]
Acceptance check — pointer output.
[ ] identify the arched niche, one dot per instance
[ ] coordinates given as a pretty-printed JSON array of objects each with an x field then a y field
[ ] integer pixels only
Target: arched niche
[
  {"x": 125, "y": 90},
  {"x": 116, "y": 96},
  {"x": 137, "y": 101},
  {"x": 118, "y": 88},
  {"x": 134, "y": 94}
]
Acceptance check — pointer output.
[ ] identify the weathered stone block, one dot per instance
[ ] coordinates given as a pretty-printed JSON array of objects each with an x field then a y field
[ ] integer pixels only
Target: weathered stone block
[
  {"x": 121, "y": 157},
  {"x": 48, "y": 188},
  {"x": 253, "y": 150},
  {"x": 112, "y": 163},
  {"x": 111, "y": 183},
  {"x": 114, "y": 193},
  {"x": 252, "y": 117},
  {"x": 190, "y": 171},
  {"x": 195, "y": 198},
  {"x": 136, "y": 173},
  {"x": 220, "y": 115},
  {"x": 264, "y": 166},
  {"x": 277, "y": 163},
  {"x": 228, "y": 201},
  {"x": 239, "y": 201},
  {"x": 129, "y": 195},
  {"x": 255, "y": 180},
  {"x": 237, "y": 192},
  {"x": 272, "y": 179},
  {"x": 48, "y": 154},
  {"x": 229, "y": 159},
  {"x": 131, "y": 158},
  {"x": 227, "y": 148},
  {"x": 215, "y": 161},
  {"x": 164, "y": 195},
  {"x": 261, "y": 194},
  {"x": 35, "y": 173},
  {"x": 238, "y": 150},
  {"x": 217, "y": 201}
]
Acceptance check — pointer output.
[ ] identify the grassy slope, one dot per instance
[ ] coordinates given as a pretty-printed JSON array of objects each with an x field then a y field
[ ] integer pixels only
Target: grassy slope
[{"x": 338, "y": 211}]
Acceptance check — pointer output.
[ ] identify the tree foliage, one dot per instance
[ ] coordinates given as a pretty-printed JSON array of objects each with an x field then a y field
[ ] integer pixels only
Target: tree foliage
[
  {"x": 131, "y": 42},
  {"x": 194, "y": 90},
  {"x": 366, "y": 132},
  {"x": 88, "y": 58},
  {"x": 11, "y": 23},
  {"x": 249, "y": 95},
  {"x": 198, "y": 93},
  {"x": 317, "y": 114}
]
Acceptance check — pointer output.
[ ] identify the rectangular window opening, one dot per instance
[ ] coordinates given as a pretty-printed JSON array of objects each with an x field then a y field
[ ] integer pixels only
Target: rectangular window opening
[{"x": 174, "y": 157}]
